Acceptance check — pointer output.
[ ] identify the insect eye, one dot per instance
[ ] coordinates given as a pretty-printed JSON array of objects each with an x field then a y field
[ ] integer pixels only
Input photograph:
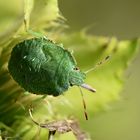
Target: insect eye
[
  {"x": 71, "y": 84},
  {"x": 76, "y": 68}
]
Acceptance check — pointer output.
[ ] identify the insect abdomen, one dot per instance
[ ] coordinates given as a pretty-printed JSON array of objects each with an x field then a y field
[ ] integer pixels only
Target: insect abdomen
[{"x": 35, "y": 65}]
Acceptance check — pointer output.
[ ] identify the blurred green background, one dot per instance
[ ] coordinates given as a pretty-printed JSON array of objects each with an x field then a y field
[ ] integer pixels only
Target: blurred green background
[
  {"x": 121, "y": 19},
  {"x": 108, "y": 18}
]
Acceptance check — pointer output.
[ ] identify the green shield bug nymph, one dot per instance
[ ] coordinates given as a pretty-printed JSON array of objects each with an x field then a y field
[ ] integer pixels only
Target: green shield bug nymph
[{"x": 43, "y": 67}]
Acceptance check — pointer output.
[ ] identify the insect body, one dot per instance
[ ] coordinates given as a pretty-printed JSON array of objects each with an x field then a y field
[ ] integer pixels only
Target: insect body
[{"x": 41, "y": 66}]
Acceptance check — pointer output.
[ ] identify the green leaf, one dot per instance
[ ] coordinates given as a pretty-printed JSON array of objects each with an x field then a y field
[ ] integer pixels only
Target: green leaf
[
  {"x": 28, "y": 7},
  {"x": 108, "y": 78},
  {"x": 44, "y": 13}
]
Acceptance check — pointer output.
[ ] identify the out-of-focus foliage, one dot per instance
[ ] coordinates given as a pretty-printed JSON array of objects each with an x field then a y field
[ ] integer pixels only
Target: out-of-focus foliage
[{"x": 43, "y": 16}]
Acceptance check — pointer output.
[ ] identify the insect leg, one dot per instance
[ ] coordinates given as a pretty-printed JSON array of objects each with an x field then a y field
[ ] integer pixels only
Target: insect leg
[
  {"x": 84, "y": 104},
  {"x": 51, "y": 134}
]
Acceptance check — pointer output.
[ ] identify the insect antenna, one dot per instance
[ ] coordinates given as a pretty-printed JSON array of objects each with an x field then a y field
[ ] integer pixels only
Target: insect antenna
[
  {"x": 84, "y": 104},
  {"x": 98, "y": 64}
]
